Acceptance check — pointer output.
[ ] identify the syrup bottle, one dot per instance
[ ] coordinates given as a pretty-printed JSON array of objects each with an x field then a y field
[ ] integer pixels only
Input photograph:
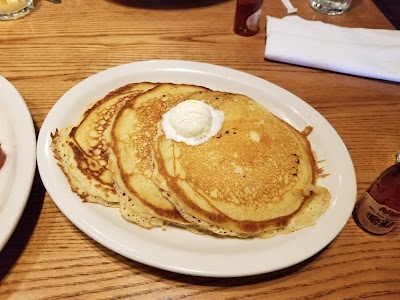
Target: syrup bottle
[
  {"x": 247, "y": 17},
  {"x": 378, "y": 209}
]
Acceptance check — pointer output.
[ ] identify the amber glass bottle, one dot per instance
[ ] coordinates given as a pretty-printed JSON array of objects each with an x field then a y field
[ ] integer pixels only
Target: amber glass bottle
[
  {"x": 378, "y": 209},
  {"x": 247, "y": 17}
]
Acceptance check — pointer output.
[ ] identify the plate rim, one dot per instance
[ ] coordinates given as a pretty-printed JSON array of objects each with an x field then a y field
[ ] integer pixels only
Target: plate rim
[
  {"x": 188, "y": 66},
  {"x": 25, "y": 147}
]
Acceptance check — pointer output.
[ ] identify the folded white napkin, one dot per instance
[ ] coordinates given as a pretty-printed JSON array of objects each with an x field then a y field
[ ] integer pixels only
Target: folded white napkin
[{"x": 373, "y": 53}]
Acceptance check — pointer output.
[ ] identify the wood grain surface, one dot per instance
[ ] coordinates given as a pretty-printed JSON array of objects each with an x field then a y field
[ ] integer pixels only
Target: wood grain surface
[{"x": 55, "y": 47}]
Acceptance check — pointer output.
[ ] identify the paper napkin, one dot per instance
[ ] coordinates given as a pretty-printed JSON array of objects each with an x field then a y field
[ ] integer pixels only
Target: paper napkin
[{"x": 373, "y": 53}]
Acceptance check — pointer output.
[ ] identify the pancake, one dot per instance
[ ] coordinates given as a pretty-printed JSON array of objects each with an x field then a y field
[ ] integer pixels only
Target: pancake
[
  {"x": 129, "y": 141},
  {"x": 250, "y": 179},
  {"x": 81, "y": 151},
  {"x": 257, "y": 177}
]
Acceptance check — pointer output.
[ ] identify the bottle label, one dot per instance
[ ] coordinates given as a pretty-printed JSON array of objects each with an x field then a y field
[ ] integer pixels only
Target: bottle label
[
  {"x": 252, "y": 20},
  {"x": 376, "y": 218}
]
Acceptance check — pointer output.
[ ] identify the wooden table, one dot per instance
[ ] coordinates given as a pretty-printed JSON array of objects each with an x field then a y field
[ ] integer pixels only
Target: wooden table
[{"x": 57, "y": 46}]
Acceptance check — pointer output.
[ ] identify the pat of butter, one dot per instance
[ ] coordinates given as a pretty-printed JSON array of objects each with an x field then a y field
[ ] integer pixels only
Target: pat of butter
[
  {"x": 191, "y": 119},
  {"x": 192, "y": 122}
]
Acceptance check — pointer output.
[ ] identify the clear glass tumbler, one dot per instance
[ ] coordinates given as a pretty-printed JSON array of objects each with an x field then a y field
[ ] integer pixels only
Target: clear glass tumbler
[
  {"x": 15, "y": 9},
  {"x": 330, "y": 7}
]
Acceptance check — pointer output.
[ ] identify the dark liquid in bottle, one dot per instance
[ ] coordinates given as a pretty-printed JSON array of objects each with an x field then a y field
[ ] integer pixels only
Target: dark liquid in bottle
[
  {"x": 386, "y": 189},
  {"x": 247, "y": 17},
  {"x": 378, "y": 210}
]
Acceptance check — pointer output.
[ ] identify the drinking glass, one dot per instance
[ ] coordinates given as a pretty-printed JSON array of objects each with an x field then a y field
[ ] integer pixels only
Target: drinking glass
[
  {"x": 14, "y": 9},
  {"x": 330, "y": 7}
]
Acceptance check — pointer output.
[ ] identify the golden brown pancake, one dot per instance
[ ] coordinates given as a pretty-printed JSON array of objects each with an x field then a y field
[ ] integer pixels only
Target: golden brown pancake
[
  {"x": 81, "y": 151},
  {"x": 249, "y": 179},
  {"x": 255, "y": 178},
  {"x": 130, "y": 162}
]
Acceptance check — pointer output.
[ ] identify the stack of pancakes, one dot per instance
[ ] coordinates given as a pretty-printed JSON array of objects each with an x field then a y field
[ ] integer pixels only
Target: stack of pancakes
[{"x": 255, "y": 178}]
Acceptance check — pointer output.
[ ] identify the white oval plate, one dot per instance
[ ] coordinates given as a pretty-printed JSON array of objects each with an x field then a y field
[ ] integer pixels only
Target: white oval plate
[
  {"x": 18, "y": 140},
  {"x": 176, "y": 249}
]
